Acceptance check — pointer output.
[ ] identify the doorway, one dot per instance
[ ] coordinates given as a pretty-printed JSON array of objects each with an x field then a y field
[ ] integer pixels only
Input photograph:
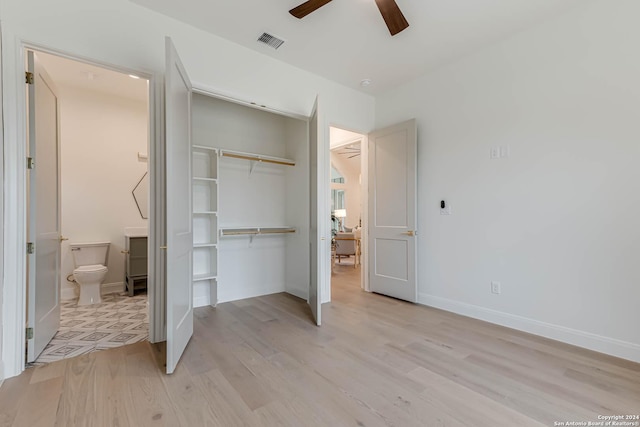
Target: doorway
[
  {"x": 348, "y": 199},
  {"x": 99, "y": 160}
]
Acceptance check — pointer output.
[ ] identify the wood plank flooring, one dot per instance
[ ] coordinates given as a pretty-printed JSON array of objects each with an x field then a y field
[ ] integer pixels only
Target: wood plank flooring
[{"x": 375, "y": 361}]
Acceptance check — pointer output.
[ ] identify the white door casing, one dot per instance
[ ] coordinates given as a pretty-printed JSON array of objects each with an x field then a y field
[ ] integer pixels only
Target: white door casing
[
  {"x": 43, "y": 229},
  {"x": 179, "y": 201},
  {"x": 315, "y": 239},
  {"x": 392, "y": 170}
]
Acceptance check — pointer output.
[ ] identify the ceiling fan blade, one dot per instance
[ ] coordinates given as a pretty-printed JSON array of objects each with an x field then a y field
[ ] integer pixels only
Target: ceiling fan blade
[
  {"x": 307, "y": 7},
  {"x": 392, "y": 15},
  {"x": 355, "y": 155}
]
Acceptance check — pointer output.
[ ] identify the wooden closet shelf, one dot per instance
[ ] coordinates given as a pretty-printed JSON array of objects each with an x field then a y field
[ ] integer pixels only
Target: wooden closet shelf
[
  {"x": 257, "y": 157},
  {"x": 255, "y": 231},
  {"x": 204, "y": 148}
]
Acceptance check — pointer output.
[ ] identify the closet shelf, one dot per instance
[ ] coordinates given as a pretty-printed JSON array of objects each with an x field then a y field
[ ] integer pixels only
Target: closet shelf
[
  {"x": 201, "y": 178},
  {"x": 204, "y": 148},
  {"x": 206, "y": 213},
  {"x": 253, "y": 231},
  {"x": 206, "y": 276},
  {"x": 205, "y": 245},
  {"x": 257, "y": 157}
]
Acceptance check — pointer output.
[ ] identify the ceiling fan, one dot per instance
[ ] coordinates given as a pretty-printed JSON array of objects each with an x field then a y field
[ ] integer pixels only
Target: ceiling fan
[
  {"x": 350, "y": 151},
  {"x": 389, "y": 9}
]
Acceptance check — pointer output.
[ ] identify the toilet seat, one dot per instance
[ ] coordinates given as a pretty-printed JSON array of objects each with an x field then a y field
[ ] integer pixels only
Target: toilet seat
[{"x": 95, "y": 268}]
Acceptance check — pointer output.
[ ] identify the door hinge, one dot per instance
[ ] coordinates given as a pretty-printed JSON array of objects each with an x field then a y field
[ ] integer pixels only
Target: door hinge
[
  {"x": 28, "y": 76},
  {"x": 30, "y": 163},
  {"x": 29, "y": 333},
  {"x": 31, "y": 248}
]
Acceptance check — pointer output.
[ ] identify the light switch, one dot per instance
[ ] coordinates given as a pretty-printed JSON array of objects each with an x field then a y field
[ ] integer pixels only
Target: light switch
[
  {"x": 494, "y": 153},
  {"x": 504, "y": 151}
]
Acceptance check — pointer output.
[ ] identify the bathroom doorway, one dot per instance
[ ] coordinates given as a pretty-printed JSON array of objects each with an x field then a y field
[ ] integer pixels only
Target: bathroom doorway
[
  {"x": 348, "y": 199},
  {"x": 88, "y": 190}
]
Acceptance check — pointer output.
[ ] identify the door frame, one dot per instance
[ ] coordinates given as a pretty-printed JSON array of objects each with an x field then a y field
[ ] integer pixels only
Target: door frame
[
  {"x": 364, "y": 197},
  {"x": 14, "y": 199}
]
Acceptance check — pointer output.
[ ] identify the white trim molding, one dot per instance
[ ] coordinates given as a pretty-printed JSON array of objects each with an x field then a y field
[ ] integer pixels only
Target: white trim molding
[
  {"x": 601, "y": 344},
  {"x": 201, "y": 301},
  {"x": 68, "y": 293},
  {"x": 298, "y": 292},
  {"x": 71, "y": 292},
  {"x": 109, "y": 288}
]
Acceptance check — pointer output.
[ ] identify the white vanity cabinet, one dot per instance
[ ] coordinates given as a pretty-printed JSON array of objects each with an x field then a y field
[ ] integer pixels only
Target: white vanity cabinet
[{"x": 135, "y": 263}]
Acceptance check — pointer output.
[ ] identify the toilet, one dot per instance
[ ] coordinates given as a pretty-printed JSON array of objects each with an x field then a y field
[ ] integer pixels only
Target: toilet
[{"x": 90, "y": 261}]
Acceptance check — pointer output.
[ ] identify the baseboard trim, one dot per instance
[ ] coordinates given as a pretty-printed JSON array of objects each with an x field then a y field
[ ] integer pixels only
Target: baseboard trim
[
  {"x": 68, "y": 293},
  {"x": 606, "y": 345},
  {"x": 300, "y": 293},
  {"x": 202, "y": 301},
  {"x": 109, "y": 288}
]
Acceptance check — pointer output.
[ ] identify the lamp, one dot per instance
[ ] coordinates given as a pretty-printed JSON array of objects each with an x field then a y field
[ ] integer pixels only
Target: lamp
[{"x": 341, "y": 214}]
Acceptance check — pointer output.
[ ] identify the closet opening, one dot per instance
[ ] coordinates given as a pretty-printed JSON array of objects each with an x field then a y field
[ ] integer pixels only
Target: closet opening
[{"x": 250, "y": 179}]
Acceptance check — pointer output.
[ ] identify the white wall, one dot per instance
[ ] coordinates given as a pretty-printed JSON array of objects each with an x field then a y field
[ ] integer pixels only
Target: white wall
[
  {"x": 557, "y": 222},
  {"x": 124, "y": 34},
  {"x": 101, "y": 136}
]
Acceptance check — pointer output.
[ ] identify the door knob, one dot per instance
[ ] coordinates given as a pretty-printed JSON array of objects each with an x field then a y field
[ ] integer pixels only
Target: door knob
[
  {"x": 62, "y": 238},
  {"x": 124, "y": 252},
  {"x": 409, "y": 233},
  {"x": 163, "y": 247}
]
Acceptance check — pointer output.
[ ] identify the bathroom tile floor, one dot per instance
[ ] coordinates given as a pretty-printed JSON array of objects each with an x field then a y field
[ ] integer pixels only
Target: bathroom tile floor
[{"x": 119, "y": 320}]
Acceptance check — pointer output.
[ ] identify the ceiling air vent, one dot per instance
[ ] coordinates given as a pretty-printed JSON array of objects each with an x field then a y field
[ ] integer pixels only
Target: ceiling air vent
[{"x": 270, "y": 40}]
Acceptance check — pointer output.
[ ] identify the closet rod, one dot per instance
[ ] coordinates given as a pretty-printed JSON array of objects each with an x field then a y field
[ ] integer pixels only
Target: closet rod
[
  {"x": 257, "y": 158},
  {"x": 255, "y": 231}
]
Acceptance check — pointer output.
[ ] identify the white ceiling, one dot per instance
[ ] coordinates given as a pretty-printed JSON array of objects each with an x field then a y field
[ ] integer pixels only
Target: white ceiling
[
  {"x": 347, "y": 41},
  {"x": 69, "y": 73},
  {"x": 339, "y": 137}
]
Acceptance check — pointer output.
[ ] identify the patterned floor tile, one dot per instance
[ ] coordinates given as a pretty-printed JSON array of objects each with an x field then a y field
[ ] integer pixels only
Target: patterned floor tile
[
  {"x": 118, "y": 320},
  {"x": 67, "y": 335}
]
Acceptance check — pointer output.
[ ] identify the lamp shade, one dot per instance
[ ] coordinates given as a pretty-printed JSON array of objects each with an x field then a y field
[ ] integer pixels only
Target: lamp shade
[{"x": 340, "y": 213}]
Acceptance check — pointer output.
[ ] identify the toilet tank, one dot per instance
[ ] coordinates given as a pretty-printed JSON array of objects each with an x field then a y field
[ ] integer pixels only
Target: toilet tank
[{"x": 90, "y": 253}]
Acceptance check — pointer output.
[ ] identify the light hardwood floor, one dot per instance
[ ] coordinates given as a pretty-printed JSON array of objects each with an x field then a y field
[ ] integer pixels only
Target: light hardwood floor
[{"x": 375, "y": 361}]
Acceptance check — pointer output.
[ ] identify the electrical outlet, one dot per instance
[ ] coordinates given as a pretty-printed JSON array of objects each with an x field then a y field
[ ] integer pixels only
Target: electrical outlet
[
  {"x": 495, "y": 288},
  {"x": 494, "y": 153}
]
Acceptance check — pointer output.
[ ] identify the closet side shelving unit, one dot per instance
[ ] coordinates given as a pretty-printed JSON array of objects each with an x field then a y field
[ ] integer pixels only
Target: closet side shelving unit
[{"x": 205, "y": 218}]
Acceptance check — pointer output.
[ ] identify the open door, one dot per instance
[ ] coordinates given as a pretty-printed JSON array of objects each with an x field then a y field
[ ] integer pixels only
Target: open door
[
  {"x": 315, "y": 234},
  {"x": 392, "y": 211},
  {"x": 43, "y": 273},
  {"x": 179, "y": 223}
]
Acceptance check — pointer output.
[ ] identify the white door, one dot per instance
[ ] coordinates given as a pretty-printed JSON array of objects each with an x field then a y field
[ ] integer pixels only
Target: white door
[
  {"x": 392, "y": 211},
  {"x": 316, "y": 252},
  {"x": 43, "y": 271},
  {"x": 179, "y": 224}
]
